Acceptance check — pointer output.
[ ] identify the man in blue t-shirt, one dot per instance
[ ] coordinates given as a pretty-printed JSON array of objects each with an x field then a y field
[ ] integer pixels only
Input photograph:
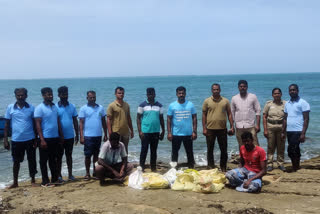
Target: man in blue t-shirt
[
  {"x": 69, "y": 124},
  {"x": 149, "y": 120},
  {"x": 295, "y": 124},
  {"x": 182, "y": 126},
  {"x": 20, "y": 116},
  {"x": 92, "y": 119},
  {"x": 50, "y": 134}
]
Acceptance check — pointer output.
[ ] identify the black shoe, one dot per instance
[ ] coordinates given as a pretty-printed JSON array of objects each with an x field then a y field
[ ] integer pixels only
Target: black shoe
[{"x": 282, "y": 168}]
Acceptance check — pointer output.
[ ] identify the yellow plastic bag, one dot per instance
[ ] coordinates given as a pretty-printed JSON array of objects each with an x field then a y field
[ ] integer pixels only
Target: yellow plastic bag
[
  {"x": 154, "y": 181},
  {"x": 205, "y": 181},
  {"x": 209, "y": 181},
  {"x": 185, "y": 180}
]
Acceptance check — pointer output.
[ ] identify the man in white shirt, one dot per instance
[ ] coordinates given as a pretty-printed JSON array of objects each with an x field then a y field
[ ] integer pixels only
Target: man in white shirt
[{"x": 108, "y": 165}]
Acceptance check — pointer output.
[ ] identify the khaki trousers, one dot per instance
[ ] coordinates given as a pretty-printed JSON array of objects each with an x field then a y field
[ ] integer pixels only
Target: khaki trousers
[
  {"x": 275, "y": 142},
  {"x": 125, "y": 140},
  {"x": 240, "y": 131}
]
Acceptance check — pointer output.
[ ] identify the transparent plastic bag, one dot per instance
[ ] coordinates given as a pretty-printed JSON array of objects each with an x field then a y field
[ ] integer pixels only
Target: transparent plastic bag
[
  {"x": 171, "y": 175},
  {"x": 136, "y": 179}
]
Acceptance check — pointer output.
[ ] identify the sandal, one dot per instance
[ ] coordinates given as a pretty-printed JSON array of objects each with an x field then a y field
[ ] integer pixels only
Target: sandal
[
  {"x": 87, "y": 178},
  {"x": 48, "y": 185}
]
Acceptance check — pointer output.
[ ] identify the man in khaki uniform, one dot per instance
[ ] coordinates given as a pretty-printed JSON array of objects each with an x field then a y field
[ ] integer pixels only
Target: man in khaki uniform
[
  {"x": 119, "y": 119},
  {"x": 273, "y": 114},
  {"x": 215, "y": 110}
]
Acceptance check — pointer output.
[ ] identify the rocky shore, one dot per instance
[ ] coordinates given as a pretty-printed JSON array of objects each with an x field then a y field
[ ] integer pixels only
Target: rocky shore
[{"x": 296, "y": 192}]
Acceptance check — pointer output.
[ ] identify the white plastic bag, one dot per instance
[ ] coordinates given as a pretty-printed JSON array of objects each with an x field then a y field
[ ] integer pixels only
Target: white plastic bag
[
  {"x": 136, "y": 179},
  {"x": 171, "y": 175}
]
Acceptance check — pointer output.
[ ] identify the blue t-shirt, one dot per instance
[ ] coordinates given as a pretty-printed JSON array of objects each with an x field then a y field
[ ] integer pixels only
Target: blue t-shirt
[
  {"x": 181, "y": 117},
  {"x": 294, "y": 109},
  {"x": 150, "y": 116},
  {"x": 49, "y": 123},
  {"x": 21, "y": 122},
  {"x": 66, "y": 114},
  {"x": 92, "y": 120}
]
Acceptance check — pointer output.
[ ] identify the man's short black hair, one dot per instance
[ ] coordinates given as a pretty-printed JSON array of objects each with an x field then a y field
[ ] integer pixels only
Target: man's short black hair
[
  {"x": 242, "y": 82},
  {"x": 273, "y": 90},
  {"x": 46, "y": 90},
  {"x": 91, "y": 92},
  {"x": 294, "y": 85},
  {"x": 24, "y": 90},
  {"x": 246, "y": 135},
  {"x": 215, "y": 84},
  {"x": 114, "y": 136},
  {"x": 63, "y": 90},
  {"x": 181, "y": 88},
  {"x": 151, "y": 91},
  {"x": 120, "y": 89}
]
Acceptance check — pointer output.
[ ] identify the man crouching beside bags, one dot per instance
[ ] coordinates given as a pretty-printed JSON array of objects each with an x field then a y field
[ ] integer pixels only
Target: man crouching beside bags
[
  {"x": 108, "y": 165},
  {"x": 247, "y": 178}
]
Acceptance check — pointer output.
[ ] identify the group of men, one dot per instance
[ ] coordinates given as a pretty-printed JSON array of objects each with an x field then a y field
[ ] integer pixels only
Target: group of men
[{"x": 57, "y": 129}]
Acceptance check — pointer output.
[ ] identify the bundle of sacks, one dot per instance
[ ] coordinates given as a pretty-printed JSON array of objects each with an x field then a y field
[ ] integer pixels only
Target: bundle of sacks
[
  {"x": 205, "y": 181},
  {"x": 151, "y": 180}
]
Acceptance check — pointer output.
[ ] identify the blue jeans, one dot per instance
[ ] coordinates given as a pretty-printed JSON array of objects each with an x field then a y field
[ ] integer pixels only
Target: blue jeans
[{"x": 238, "y": 176}]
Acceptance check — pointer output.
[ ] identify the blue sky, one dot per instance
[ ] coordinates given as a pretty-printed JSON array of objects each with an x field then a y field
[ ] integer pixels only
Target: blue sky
[{"x": 59, "y": 39}]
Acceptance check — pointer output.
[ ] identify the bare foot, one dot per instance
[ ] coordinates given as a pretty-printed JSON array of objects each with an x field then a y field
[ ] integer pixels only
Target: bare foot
[{"x": 12, "y": 186}]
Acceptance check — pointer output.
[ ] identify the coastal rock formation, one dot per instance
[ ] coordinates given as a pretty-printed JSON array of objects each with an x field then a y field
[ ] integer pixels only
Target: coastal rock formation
[{"x": 297, "y": 192}]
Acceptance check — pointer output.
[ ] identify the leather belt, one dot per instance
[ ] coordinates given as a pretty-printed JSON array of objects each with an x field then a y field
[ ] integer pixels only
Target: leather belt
[{"x": 275, "y": 122}]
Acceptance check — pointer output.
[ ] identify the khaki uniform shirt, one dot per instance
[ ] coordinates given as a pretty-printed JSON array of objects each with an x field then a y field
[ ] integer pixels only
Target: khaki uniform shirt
[
  {"x": 119, "y": 117},
  {"x": 216, "y": 112},
  {"x": 275, "y": 113}
]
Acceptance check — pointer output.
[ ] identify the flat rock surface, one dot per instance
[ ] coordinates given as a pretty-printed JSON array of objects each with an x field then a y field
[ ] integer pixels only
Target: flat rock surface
[{"x": 296, "y": 192}]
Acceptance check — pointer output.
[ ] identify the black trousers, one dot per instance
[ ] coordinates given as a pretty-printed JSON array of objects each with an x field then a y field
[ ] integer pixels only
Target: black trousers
[
  {"x": 49, "y": 155},
  {"x": 153, "y": 140},
  {"x": 221, "y": 135},
  {"x": 18, "y": 149},
  {"x": 294, "y": 145},
  {"x": 188, "y": 146}
]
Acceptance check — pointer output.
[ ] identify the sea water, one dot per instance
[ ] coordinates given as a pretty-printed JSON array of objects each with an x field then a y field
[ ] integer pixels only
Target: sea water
[{"x": 198, "y": 89}]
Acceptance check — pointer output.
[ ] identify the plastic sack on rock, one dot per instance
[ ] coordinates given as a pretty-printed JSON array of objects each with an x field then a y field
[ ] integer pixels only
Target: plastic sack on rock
[
  {"x": 209, "y": 181},
  {"x": 185, "y": 180},
  {"x": 208, "y": 188},
  {"x": 215, "y": 175},
  {"x": 205, "y": 181},
  {"x": 171, "y": 175},
  {"x": 154, "y": 181},
  {"x": 136, "y": 179}
]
